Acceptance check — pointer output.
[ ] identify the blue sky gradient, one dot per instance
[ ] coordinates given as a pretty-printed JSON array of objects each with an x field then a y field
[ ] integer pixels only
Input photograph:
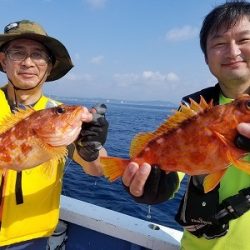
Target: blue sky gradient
[{"x": 123, "y": 49}]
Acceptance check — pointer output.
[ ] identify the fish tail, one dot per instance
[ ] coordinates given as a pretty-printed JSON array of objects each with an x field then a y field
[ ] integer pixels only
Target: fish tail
[{"x": 113, "y": 167}]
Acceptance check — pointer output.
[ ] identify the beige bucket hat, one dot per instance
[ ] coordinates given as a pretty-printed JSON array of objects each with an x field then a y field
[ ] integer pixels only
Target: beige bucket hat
[{"x": 27, "y": 29}]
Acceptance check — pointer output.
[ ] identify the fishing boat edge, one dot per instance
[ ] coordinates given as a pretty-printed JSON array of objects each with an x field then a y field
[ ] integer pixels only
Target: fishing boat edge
[{"x": 87, "y": 226}]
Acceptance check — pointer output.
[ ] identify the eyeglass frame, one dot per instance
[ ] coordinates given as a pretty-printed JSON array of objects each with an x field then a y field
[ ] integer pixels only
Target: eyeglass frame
[{"x": 46, "y": 59}]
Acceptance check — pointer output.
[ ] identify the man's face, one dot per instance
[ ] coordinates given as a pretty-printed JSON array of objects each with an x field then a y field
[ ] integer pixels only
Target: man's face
[
  {"x": 228, "y": 54},
  {"x": 26, "y": 63}
]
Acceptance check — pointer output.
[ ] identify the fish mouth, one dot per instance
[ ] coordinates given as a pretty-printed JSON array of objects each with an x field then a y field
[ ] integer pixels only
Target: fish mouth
[
  {"x": 75, "y": 117},
  {"x": 72, "y": 131}
]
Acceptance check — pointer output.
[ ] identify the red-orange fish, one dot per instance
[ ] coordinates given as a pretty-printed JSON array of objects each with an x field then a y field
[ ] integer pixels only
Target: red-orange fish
[
  {"x": 25, "y": 135},
  {"x": 196, "y": 140}
]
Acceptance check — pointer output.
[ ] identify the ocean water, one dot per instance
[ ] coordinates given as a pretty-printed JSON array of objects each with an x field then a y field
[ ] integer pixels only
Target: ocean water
[{"x": 125, "y": 121}]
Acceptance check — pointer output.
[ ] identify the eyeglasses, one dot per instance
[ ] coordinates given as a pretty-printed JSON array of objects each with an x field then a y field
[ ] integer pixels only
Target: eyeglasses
[{"x": 38, "y": 57}]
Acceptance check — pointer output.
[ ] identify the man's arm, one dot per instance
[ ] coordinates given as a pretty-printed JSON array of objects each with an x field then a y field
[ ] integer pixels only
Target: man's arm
[{"x": 93, "y": 167}]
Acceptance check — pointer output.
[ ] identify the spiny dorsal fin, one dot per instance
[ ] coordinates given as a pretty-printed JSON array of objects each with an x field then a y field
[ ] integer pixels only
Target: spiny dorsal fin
[
  {"x": 184, "y": 113},
  {"x": 139, "y": 142},
  {"x": 174, "y": 121},
  {"x": 12, "y": 119},
  {"x": 201, "y": 106},
  {"x": 204, "y": 104}
]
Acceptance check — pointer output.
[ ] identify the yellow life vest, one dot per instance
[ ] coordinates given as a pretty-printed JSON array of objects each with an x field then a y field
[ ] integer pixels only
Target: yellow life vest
[{"x": 38, "y": 213}]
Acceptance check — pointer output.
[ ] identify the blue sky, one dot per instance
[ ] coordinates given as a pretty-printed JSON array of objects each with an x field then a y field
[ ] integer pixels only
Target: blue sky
[{"x": 123, "y": 49}]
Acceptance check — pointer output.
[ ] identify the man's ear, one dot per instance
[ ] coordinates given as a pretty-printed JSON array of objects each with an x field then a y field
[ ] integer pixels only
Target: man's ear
[{"x": 2, "y": 61}]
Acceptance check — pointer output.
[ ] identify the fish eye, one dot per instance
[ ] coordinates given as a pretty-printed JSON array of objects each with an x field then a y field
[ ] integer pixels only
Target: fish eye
[
  {"x": 60, "y": 110},
  {"x": 248, "y": 104}
]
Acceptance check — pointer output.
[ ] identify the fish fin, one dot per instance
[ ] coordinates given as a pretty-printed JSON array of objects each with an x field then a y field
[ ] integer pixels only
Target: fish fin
[
  {"x": 204, "y": 105},
  {"x": 113, "y": 167},
  {"x": 185, "y": 112},
  {"x": 240, "y": 164},
  {"x": 222, "y": 138},
  {"x": 12, "y": 119},
  {"x": 212, "y": 180},
  {"x": 47, "y": 168},
  {"x": 139, "y": 142},
  {"x": 59, "y": 153},
  {"x": 201, "y": 106},
  {"x": 55, "y": 153}
]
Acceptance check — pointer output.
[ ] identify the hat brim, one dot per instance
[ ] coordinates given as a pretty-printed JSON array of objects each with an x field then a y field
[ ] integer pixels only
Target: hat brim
[{"x": 61, "y": 56}]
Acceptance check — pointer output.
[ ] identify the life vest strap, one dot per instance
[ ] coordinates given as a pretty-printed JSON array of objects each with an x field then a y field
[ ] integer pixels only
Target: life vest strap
[
  {"x": 234, "y": 206},
  {"x": 212, "y": 220},
  {"x": 18, "y": 188}
]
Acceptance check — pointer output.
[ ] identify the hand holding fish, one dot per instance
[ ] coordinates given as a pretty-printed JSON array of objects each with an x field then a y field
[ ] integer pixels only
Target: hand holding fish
[
  {"x": 242, "y": 140},
  {"x": 244, "y": 129},
  {"x": 135, "y": 177},
  {"x": 93, "y": 135},
  {"x": 149, "y": 184}
]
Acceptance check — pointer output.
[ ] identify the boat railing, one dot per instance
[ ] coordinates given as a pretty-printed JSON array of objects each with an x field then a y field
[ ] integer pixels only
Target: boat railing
[{"x": 119, "y": 225}]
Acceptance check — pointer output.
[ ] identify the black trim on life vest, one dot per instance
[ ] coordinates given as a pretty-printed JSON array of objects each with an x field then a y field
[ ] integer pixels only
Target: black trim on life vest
[
  {"x": 18, "y": 188},
  {"x": 1, "y": 188},
  {"x": 211, "y": 93}
]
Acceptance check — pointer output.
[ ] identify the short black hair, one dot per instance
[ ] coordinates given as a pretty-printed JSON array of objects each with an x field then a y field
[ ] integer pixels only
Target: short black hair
[{"x": 225, "y": 15}]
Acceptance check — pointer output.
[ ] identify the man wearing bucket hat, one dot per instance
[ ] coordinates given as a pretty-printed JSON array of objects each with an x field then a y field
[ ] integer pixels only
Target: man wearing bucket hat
[{"x": 29, "y": 203}]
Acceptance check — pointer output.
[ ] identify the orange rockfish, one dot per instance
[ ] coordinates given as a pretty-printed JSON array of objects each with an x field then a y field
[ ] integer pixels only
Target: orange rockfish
[
  {"x": 196, "y": 140},
  {"x": 25, "y": 136}
]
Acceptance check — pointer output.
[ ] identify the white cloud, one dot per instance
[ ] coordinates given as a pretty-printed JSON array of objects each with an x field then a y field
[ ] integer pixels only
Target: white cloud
[
  {"x": 145, "y": 78},
  {"x": 157, "y": 76},
  {"x": 96, "y": 4},
  {"x": 180, "y": 34},
  {"x": 97, "y": 59},
  {"x": 126, "y": 79},
  {"x": 77, "y": 77},
  {"x": 172, "y": 77}
]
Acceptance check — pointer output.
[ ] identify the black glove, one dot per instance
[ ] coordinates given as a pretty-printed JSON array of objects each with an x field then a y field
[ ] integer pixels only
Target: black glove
[
  {"x": 159, "y": 186},
  {"x": 93, "y": 135},
  {"x": 242, "y": 142}
]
